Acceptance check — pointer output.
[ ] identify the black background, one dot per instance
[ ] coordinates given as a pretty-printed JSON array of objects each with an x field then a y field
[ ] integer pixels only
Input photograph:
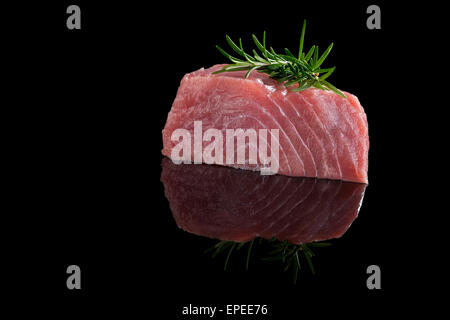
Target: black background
[{"x": 89, "y": 106}]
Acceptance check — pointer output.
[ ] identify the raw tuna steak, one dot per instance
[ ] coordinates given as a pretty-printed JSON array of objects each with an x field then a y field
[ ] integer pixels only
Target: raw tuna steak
[
  {"x": 235, "y": 205},
  {"x": 320, "y": 133}
]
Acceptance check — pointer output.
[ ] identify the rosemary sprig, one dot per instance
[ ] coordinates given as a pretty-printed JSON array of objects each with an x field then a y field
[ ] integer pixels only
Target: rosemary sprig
[{"x": 304, "y": 70}]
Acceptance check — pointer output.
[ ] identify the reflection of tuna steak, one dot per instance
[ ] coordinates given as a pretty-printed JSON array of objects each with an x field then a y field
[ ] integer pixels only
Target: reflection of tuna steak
[
  {"x": 321, "y": 134},
  {"x": 227, "y": 204}
]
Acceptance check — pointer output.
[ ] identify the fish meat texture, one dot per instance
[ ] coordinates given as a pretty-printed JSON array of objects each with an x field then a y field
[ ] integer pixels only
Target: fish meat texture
[
  {"x": 236, "y": 205},
  {"x": 321, "y": 135}
]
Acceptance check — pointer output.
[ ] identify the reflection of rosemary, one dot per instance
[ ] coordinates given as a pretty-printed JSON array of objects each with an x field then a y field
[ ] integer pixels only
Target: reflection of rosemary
[
  {"x": 288, "y": 253},
  {"x": 230, "y": 245}
]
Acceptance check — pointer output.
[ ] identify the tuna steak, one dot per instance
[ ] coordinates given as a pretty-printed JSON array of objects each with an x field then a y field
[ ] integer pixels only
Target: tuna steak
[
  {"x": 321, "y": 134},
  {"x": 234, "y": 205}
]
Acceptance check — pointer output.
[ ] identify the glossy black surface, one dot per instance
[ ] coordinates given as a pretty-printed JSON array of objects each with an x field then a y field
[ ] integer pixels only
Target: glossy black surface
[{"x": 88, "y": 110}]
